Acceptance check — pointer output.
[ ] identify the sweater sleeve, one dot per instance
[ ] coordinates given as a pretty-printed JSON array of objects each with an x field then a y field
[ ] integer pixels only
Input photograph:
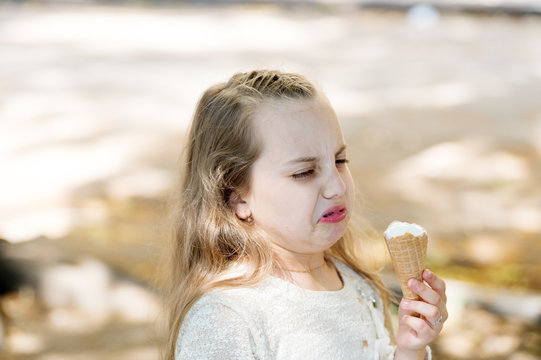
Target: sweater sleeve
[{"x": 214, "y": 331}]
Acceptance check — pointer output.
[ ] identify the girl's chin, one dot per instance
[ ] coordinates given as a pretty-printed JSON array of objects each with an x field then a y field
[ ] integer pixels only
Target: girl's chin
[
  {"x": 336, "y": 231},
  {"x": 332, "y": 238}
]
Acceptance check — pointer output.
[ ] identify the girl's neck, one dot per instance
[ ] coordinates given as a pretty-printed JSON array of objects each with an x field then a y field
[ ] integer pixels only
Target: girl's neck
[
  {"x": 299, "y": 263},
  {"x": 311, "y": 272}
]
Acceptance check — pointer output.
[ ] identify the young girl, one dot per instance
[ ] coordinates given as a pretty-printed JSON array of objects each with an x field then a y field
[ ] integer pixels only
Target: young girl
[{"x": 263, "y": 262}]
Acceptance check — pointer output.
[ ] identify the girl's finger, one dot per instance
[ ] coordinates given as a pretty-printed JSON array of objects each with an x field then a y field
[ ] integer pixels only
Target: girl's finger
[
  {"x": 435, "y": 283},
  {"x": 429, "y": 312},
  {"x": 423, "y": 330},
  {"x": 428, "y": 294}
]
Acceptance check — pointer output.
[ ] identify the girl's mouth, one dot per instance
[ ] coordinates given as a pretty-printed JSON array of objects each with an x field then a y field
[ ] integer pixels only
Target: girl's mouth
[{"x": 334, "y": 215}]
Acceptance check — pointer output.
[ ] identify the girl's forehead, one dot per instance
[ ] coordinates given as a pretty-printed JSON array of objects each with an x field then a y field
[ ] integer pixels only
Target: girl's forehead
[
  {"x": 276, "y": 114},
  {"x": 274, "y": 105},
  {"x": 297, "y": 125}
]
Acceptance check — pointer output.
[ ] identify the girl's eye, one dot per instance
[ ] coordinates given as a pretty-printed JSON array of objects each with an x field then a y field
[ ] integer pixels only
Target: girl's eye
[
  {"x": 341, "y": 161},
  {"x": 303, "y": 175}
]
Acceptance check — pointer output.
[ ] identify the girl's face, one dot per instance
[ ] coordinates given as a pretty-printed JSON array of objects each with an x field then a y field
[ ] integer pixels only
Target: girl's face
[{"x": 301, "y": 191}]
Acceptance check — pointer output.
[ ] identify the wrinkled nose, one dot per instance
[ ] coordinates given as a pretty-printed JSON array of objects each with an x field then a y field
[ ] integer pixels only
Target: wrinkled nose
[{"x": 334, "y": 185}]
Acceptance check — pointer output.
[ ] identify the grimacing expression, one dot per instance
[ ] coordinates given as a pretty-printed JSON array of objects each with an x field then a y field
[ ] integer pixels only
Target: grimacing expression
[{"x": 301, "y": 191}]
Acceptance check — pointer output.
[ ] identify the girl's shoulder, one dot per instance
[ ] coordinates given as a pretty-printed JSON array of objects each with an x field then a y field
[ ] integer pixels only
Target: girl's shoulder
[
  {"x": 242, "y": 302},
  {"x": 220, "y": 318}
]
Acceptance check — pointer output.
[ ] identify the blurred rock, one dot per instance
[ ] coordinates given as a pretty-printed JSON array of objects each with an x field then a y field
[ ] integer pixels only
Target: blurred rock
[
  {"x": 81, "y": 283},
  {"x": 84, "y": 285},
  {"x": 22, "y": 342},
  {"x": 74, "y": 300},
  {"x": 131, "y": 302},
  {"x": 72, "y": 320}
]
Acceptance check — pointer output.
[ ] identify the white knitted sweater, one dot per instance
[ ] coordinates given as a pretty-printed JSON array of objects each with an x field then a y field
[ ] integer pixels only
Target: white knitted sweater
[{"x": 276, "y": 319}]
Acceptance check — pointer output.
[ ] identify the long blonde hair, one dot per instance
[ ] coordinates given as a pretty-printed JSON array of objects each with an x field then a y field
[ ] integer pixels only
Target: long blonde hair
[{"x": 207, "y": 237}]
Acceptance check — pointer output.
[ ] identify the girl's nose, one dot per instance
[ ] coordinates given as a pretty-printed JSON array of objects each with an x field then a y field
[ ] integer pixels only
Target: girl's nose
[{"x": 334, "y": 186}]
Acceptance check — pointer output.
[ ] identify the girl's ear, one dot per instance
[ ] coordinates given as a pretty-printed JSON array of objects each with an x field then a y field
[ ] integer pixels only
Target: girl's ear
[{"x": 240, "y": 206}]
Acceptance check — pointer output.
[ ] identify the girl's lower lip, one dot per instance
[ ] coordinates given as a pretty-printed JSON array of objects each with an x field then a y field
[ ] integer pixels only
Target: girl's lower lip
[{"x": 335, "y": 217}]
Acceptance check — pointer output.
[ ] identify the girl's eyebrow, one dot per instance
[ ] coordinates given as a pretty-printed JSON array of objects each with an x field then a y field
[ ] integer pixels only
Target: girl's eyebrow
[{"x": 306, "y": 159}]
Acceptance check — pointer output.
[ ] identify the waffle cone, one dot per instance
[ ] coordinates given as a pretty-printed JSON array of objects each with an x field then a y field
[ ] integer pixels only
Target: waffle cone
[{"x": 408, "y": 254}]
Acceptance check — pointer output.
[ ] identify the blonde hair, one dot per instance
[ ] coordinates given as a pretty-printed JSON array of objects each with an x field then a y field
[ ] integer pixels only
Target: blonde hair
[{"x": 207, "y": 237}]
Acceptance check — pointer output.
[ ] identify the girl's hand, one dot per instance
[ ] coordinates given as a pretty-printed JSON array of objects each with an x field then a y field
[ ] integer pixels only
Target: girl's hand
[{"x": 416, "y": 332}]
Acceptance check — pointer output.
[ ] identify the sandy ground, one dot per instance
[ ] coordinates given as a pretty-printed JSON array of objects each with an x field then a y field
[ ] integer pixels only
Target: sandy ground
[{"x": 442, "y": 117}]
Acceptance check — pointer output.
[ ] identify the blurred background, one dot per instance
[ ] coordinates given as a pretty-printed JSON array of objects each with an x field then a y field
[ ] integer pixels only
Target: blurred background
[{"x": 441, "y": 107}]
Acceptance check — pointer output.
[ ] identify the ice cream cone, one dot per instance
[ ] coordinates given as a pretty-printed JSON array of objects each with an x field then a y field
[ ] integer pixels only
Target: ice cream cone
[{"x": 408, "y": 254}]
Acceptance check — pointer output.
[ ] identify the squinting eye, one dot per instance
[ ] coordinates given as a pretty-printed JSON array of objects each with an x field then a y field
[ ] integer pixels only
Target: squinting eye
[
  {"x": 341, "y": 161},
  {"x": 303, "y": 174}
]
